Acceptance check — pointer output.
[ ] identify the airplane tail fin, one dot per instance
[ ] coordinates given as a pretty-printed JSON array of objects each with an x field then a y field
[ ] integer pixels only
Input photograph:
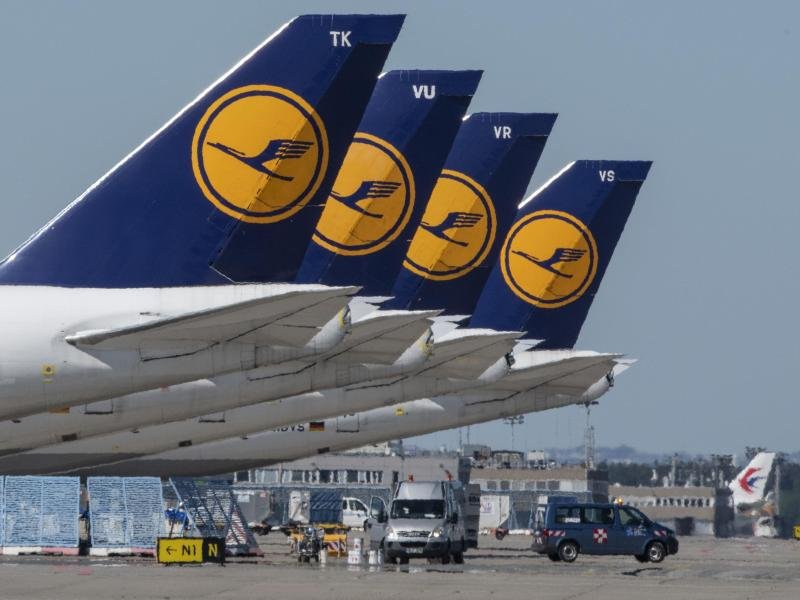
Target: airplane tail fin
[
  {"x": 471, "y": 210},
  {"x": 554, "y": 257},
  {"x": 750, "y": 485},
  {"x": 217, "y": 193},
  {"x": 389, "y": 171}
]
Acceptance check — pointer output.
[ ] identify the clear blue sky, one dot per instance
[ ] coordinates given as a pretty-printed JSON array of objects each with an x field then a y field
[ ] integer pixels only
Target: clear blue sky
[{"x": 704, "y": 285}]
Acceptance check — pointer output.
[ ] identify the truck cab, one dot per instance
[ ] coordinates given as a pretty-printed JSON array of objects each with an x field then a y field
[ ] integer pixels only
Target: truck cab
[
  {"x": 564, "y": 529},
  {"x": 423, "y": 520}
]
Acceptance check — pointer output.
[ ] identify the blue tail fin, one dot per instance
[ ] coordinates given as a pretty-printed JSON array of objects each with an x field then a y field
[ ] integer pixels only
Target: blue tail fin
[
  {"x": 390, "y": 169},
  {"x": 555, "y": 255},
  {"x": 216, "y": 194},
  {"x": 470, "y": 211}
]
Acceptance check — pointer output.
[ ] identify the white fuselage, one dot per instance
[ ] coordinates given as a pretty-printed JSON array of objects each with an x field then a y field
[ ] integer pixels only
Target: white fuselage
[
  {"x": 199, "y": 399},
  {"x": 110, "y": 449},
  {"x": 41, "y": 371},
  {"x": 412, "y": 418}
]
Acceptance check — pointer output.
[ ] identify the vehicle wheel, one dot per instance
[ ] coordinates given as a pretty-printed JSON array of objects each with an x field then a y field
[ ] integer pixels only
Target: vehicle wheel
[
  {"x": 387, "y": 560},
  {"x": 499, "y": 534},
  {"x": 554, "y": 556},
  {"x": 403, "y": 560},
  {"x": 656, "y": 552},
  {"x": 642, "y": 558},
  {"x": 458, "y": 558},
  {"x": 446, "y": 559},
  {"x": 568, "y": 551}
]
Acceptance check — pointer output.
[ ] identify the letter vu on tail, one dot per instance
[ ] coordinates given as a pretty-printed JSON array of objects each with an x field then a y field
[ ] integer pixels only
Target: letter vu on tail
[
  {"x": 387, "y": 177},
  {"x": 226, "y": 186}
]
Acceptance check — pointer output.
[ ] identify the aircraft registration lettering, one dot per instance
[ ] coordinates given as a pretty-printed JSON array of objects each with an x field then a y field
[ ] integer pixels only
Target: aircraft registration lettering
[
  {"x": 340, "y": 39},
  {"x": 424, "y": 91},
  {"x": 502, "y": 132},
  {"x": 607, "y": 176}
]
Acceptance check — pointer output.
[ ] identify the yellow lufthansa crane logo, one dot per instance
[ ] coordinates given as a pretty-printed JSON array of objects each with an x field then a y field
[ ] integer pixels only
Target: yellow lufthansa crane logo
[
  {"x": 371, "y": 201},
  {"x": 259, "y": 153},
  {"x": 549, "y": 258},
  {"x": 457, "y": 230}
]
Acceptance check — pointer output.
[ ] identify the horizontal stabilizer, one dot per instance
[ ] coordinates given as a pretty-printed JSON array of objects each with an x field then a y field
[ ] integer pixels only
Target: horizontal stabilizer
[
  {"x": 382, "y": 337},
  {"x": 467, "y": 353},
  {"x": 444, "y": 324},
  {"x": 299, "y": 327},
  {"x": 225, "y": 323},
  {"x": 361, "y": 306},
  {"x": 581, "y": 382},
  {"x": 570, "y": 369},
  {"x": 623, "y": 364}
]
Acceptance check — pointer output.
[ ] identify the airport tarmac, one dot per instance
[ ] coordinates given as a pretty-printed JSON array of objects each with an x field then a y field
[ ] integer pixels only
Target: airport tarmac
[{"x": 705, "y": 568}]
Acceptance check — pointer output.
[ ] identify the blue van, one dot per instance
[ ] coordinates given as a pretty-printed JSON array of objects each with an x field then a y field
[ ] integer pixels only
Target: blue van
[{"x": 565, "y": 529}]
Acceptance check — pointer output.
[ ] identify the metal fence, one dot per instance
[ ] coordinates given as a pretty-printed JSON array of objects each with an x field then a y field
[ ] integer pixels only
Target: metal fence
[
  {"x": 40, "y": 511},
  {"x": 275, "y": 508},
  {"x": 125, "y": 512}
]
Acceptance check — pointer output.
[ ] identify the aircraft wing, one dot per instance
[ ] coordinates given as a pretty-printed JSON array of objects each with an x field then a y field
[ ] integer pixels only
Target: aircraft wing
[
  {"x": 302, "y": 309},
  {"x": 567, "y": 372},
  {"x": 381, "y": 337},
  {"x": 297, "y": 328},
  {"x": 467, "y": 353}
]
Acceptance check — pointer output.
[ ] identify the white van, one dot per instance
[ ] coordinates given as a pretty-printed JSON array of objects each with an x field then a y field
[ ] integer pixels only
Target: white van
[{"x": 424, "y": 520}]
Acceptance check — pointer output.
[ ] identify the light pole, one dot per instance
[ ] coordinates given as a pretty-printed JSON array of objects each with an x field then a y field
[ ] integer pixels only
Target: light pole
[
  {"x": 588, "y": 436},
  {"x": 512, "y": 421}
]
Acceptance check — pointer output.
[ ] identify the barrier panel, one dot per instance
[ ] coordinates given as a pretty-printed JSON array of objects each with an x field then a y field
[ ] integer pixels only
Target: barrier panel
[
  {"x": 145, "y": 510},
  {"x": 2, "y": 512},
  {"x": 40, "y": 514},
  {"x": 126, "y": 514}
]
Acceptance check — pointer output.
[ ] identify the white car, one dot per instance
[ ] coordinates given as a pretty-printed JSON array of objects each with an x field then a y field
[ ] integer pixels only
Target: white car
[{"x": 354, "y": 512}]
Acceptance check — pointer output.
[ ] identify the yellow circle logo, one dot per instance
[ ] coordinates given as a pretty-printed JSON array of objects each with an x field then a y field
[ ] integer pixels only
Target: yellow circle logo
[
  {"x": 457, "y": 230},
  {"x": 549, "y": 258},
  {"x": 371, "y": 201},
  {"x": 259, "y": 153}
]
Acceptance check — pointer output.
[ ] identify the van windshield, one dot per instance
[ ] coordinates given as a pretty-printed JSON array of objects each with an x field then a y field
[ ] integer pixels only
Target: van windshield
[
  {"x": 630, "y": 516},
  {"x": 418, "y": 509}
]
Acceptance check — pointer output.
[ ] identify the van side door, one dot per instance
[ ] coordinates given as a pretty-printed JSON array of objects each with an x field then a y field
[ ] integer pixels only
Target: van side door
[
  {"x": 599, "y": 521},
  {"x": 633, "y": 531},
  {"x": 567, "y": 525},
  {"x": 376, "y": 524}
]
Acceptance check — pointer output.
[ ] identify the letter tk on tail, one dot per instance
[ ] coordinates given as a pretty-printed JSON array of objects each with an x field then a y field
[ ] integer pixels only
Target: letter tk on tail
[{"x": 224, "y": 190}]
